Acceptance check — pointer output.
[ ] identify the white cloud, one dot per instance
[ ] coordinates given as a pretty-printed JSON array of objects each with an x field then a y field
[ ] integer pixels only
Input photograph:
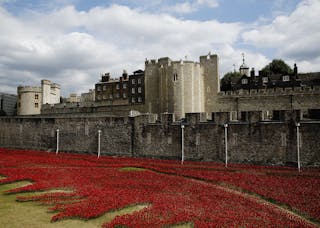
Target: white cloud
[
  {"x": 190, "y": 6},
  {"x": 295, "y": 36},
  {"x": 73, "y": 47}
]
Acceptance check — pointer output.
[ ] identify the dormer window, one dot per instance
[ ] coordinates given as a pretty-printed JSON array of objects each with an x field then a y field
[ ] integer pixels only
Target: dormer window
[
  {"x": 265, "y": 80},
  {"x": 286, "y": 78},
  {"x": 244, "y": 81}
]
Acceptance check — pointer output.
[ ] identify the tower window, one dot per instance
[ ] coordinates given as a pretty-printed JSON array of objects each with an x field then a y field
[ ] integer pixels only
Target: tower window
[
  {"x": 175, "y": 77},
  {"x": 139, "y": 80},
  {"x": 36, "y": 96},
  {"x": 139, "y": 90},
  {"x": 133, "y": 91},
  {"x": 36, "y": 105}
]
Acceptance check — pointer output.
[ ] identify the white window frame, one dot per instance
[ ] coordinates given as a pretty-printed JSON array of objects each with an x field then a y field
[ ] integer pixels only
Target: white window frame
[
  {"x": 265, "y": 79},
  {"x": 285, "y": 78},
  {"x": 244, "y": 81}
]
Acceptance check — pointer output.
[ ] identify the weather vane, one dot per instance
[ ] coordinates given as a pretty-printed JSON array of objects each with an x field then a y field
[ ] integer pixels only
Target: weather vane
[{"x": 242, "y": 58}]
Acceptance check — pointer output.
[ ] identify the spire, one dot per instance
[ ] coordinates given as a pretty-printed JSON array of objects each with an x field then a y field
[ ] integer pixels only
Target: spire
[{"x": 243, "y": 59}]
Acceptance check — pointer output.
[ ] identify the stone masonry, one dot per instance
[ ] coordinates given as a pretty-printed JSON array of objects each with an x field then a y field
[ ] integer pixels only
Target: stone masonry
[{"x": 251, "y": 141}]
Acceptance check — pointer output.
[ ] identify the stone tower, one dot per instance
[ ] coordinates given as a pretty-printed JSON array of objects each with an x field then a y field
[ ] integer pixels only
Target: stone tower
[{"x": 181, "y": 87}]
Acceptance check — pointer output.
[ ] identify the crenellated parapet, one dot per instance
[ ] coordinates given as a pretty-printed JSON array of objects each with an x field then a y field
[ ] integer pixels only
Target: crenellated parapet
[{"x": 272, "y": 91}]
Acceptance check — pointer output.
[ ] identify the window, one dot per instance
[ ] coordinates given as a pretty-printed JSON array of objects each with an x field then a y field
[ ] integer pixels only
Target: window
[
  {"x": 133, "y": 81},
  {"x": 117, "y": 86},
  {"x": 133, "y": 100},
  {"x": 124, "y": 85},
  {"x": 104, "y": 88},
  {"x": 104, "y": 97},
  {"x": 110, "y": 96},
  {"x": 266, "y": 115},
  {"x": 98, "y": 88},
  {"x": 124, "y": 95},
  {"x": 244, "y": 81},
  {"x": 233, "y": 116},
  {"x": 133, "y": 91},
  {"x": 264, "y": 80},
  {"x": 286, "y": 78},
  {"x": 36, "y": 105},
  {"x": 139, "y": 99},
  {"x": 99, "y": 97},
  {"x": 175, "y": 77},
  {"x": 117, "y": 95},
  {"x": 139, "y": 80},
  {"x": 36, "y": 96},
  {"x": 19, "y": 105},
  {"x": 139, "y": 90}
]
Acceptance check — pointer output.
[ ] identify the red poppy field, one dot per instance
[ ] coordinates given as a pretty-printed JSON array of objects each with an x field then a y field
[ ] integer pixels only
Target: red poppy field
[{"x": 195, "y": 194}]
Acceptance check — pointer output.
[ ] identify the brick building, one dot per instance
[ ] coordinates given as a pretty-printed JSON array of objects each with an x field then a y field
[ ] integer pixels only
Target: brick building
[{"x": 123, "y": 90}]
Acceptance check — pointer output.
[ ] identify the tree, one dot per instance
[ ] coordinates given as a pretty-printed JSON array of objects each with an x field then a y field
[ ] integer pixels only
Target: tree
[
  {"x": 225, "y": 83},
  {"x": 277, "y": 66}
]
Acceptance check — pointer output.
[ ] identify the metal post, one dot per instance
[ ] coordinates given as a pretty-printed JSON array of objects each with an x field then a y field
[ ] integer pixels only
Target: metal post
[
  {"x": 182, "y": 144},
  {"x": 226, "y": 143},
  {"x": 57, "y": 150},
  {"x": 99, "y": 134},
  {"x": 298, "y": 144}
]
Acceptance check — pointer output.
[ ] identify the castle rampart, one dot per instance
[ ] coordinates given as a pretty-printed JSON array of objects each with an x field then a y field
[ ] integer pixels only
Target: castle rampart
[{"x": 253, "y": 140}]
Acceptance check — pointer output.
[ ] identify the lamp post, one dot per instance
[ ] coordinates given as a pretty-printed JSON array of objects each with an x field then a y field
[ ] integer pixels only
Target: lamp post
[
  {"x": 226, "y": 143},
  {"x": 99, "y": 135},
  {"x": 57, "y": 149},
  {"x": 298, "y": 144},
  {"x": 182, "y": 144}
]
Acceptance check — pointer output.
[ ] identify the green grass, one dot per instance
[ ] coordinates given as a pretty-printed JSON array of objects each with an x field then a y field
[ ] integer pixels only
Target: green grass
[
  {"x": 32, "y": 214},
  {"x": 131, "y": 169}
]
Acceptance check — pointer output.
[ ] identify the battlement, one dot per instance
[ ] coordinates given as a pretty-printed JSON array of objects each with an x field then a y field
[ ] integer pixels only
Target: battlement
[
  {"x": 26, "y": 89},
  {"x": 272, "y": 91},
  {"x": 210, "y": 56}
]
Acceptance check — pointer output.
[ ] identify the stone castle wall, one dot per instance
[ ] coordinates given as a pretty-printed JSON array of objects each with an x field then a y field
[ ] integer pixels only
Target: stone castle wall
[{"x": 252, "y": 141}]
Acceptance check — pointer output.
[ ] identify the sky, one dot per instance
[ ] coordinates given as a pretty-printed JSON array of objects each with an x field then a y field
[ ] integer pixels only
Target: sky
[{"x": 72, "y": 42}]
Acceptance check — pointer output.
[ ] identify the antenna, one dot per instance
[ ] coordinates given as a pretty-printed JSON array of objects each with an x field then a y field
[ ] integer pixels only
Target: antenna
[{"x": 242, "y": 58}]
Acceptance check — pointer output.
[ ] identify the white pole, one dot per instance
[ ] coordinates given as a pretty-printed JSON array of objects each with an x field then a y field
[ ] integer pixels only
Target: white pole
[
  {"x": 298, "y": 145},
  {"x": 182, "y": 144},
  {"x": 99, "y": 134},
  {"x": 226, "y": 143},
  {"x": 57, "y": 150}
]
